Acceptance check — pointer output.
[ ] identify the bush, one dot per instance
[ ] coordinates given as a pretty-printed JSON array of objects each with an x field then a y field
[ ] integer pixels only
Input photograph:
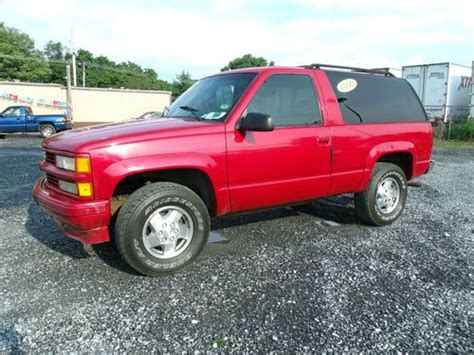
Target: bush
[{"x": 463, "y": 131}]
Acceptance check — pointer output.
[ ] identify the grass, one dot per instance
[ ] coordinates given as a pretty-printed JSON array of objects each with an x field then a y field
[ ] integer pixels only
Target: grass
[
  {"x": 443, "y": 143},
  {"x": 463, "y": 131},
  {"x": 219, "y": 341}
]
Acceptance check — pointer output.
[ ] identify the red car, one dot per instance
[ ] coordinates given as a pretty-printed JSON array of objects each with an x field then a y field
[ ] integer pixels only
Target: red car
[{"x": 237, "y": 141}]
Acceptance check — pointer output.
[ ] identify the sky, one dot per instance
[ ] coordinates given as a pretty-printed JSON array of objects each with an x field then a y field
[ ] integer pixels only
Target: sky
[{"x": 203, "y": 36}]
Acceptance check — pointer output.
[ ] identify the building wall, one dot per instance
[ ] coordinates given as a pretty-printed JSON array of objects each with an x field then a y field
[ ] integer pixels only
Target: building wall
[
  {"x": 48, "y": 92},
  {"x": 90, "y": 105},
  {"x": 98, "y": 105}
]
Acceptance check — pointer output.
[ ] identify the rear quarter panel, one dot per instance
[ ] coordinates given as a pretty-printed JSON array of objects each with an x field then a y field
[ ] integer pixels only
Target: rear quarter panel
[
  {"x": 56, "y": 120},
  {"x": 357, "y": 147}
]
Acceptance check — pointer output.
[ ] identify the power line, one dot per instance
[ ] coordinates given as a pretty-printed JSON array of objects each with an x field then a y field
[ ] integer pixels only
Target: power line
[{"x": 64, "y": 62}]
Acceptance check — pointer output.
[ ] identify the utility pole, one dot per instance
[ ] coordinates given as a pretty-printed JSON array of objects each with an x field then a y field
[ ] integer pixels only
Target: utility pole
[
  {"x": 83, "y": 75},
  {"x": 68, "y": 92},
  {"x": 74, "y": 73}
]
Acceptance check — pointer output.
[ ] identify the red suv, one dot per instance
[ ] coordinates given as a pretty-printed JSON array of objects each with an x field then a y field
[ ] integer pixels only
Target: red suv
[{"x": 237, "y": 141}]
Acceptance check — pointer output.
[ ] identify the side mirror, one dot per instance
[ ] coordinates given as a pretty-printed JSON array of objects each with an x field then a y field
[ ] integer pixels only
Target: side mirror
[{"x": 254, "y": 121}]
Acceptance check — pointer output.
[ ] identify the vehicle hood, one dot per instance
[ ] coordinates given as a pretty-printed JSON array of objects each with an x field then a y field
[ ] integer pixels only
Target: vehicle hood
[{"x": 85, "y": 139}]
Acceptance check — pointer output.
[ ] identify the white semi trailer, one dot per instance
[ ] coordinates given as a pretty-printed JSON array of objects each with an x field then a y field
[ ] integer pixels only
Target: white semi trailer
[{"x": 443, "y": 88}]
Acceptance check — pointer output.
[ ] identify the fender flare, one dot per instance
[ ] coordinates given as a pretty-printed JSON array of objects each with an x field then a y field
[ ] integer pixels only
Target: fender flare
[
  {"x": 383, "y": 149},
  {"x": 119, "y": 170}
]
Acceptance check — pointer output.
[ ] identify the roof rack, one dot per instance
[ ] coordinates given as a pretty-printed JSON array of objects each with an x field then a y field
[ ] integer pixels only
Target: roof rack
[{"x": 382, "y": 71}]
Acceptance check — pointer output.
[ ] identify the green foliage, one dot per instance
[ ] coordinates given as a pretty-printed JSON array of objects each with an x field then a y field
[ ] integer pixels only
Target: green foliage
[
  {"x": 463, "y": 131},
  {"x": 182, "y": 83},
  {"x": 23, "y": 62},
  {"x": 247, "y": 61},
  {"x": 55, "y": 52},
  {"x": 219, "y": 341}
]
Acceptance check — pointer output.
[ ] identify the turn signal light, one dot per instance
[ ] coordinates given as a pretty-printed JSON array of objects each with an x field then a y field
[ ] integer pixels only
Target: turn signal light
[
  {"x": 83, "y": 165},
  {"x": 84, "y": 189}
]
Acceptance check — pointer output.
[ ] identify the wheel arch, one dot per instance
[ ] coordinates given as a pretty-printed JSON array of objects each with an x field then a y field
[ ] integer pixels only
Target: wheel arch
[
  {"x": 195, "y": 179},
  {"x": 400, "y": 153},
  {"x": 46, "y": 123}
]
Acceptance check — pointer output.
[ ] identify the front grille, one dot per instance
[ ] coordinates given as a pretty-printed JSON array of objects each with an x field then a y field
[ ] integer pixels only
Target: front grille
[
  {"x": 50, "y": 158},
  {"x": 52, "y": 180}
]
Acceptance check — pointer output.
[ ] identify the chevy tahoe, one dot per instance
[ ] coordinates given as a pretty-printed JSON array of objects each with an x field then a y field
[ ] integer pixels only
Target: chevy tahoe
[{"x": 237, "y": 141}]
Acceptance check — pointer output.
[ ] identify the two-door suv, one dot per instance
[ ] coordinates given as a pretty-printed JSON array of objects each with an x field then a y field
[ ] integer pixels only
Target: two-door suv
[{"x": 237, "y": 141}]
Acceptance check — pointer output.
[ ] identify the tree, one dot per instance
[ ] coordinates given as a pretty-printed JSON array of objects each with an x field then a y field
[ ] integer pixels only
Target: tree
[
  {"x": 20, "y": 59},
  {"x": 55, "y": 51},
  {"x": 247, "y": 61},
  {"x": 182, "y": 83}
]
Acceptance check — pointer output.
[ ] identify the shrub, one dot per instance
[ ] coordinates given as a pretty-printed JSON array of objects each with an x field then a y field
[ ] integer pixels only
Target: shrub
[{"x": 463, "y": 131}]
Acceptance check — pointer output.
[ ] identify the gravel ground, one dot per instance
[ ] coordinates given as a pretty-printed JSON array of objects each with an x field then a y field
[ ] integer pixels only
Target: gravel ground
[{"x": 286, "y": 281}]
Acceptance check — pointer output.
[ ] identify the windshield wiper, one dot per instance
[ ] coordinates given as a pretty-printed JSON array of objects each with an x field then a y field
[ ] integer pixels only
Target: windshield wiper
[{"x": 192, "y": 110}]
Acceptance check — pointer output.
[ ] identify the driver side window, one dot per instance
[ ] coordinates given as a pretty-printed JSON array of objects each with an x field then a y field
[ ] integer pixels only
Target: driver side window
[
  {"x": 12, "y": 112},
  {"x": 290, "y": 99}
]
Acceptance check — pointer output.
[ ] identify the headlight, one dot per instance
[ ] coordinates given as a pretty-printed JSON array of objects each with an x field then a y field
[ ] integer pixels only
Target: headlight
[
  {"x": 80, "y": 164},
  {"x": 66, "y": 163},
  {"x": 68, "y": 186},
  {"x": 83, "y": 189}
]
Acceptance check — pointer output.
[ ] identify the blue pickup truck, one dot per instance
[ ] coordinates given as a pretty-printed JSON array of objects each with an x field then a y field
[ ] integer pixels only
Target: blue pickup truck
[{"x": 21, "y": 119}]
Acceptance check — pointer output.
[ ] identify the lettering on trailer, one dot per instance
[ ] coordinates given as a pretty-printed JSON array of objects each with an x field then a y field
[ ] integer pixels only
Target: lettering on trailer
[
  {"x": 413, "y": 76},
  {"x": 437, "y": 74},
  {"x": 466, "y": 82}
]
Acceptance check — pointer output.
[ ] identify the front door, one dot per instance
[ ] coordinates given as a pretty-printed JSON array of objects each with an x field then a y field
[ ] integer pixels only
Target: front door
[
  {"x": 12, "y": 120},
  {"x": 289, "y": 164}
]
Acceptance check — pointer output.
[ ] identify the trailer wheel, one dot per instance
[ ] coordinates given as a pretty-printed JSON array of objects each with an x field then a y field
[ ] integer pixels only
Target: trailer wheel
[
  {"x": 47, "y": 130},
  {"x": 161, "y": 228},
  {"x": 383, "y": 201}
]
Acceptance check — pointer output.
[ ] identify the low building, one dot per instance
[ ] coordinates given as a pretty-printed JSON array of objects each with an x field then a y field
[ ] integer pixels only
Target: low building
[{"x": 89, "y": 105}]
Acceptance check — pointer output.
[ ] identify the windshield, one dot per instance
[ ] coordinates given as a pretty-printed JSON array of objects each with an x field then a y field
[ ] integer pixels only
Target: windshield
[{"x": 211, "y": 98}]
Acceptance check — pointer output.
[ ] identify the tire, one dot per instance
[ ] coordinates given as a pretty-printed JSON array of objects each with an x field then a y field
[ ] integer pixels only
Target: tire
[
  {"x": 150, "y": 234},
  {"x": 383, "y": 201},
  {"x": 47, "y": 130}
]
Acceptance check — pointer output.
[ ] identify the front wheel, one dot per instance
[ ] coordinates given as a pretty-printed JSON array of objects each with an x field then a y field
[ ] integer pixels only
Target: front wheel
[
  {"x": 47, "y": 130},
  {"x": 383, "y": 201},
  {"x": 162, "y": 228}
]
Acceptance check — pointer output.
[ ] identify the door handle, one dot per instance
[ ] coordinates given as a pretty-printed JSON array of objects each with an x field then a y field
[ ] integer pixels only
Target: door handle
[{"x": 323, "y": 140}]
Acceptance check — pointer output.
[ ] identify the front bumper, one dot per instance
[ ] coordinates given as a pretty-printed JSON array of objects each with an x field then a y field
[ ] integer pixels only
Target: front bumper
[{"x": 86, "y": 221}]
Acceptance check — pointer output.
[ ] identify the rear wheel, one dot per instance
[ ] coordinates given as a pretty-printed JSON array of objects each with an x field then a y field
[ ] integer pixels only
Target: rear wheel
[
  {"x": 383, "y": 201},
  {"x": 161, "y": 228},
  {"x": 47, "y": 130}
]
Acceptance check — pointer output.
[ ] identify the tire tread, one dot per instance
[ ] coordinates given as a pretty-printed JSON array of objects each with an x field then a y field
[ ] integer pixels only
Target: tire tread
[{"x": 127, "y": 211}]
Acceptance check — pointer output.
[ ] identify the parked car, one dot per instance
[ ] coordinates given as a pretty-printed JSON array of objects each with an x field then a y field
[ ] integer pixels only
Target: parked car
[
  {"x": 237, "y": 141},
  {"x": 150, "y": 115},
  {"x": 16, "y": 119}
]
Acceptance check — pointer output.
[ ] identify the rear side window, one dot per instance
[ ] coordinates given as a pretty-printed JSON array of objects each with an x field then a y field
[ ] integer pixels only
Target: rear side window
[
  {"x": 289, "y": 99},
  {"x": 366, "y": 98}
]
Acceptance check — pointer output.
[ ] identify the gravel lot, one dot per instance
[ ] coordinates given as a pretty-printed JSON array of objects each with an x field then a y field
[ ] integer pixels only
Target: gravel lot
[{"x": 286, "y": 281}]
